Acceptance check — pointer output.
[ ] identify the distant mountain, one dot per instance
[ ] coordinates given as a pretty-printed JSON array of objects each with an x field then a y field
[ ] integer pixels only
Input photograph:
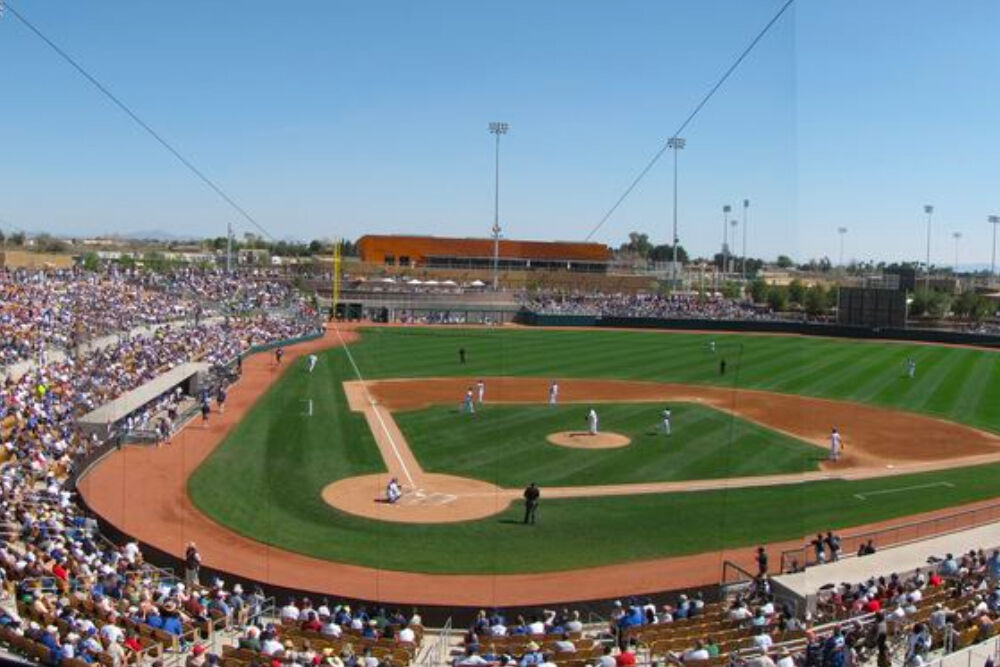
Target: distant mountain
[{"x": 153, "y": 235}]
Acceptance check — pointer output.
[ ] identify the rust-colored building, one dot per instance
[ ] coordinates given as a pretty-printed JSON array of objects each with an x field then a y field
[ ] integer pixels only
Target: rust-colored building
[{"x": 455, "y": 253}]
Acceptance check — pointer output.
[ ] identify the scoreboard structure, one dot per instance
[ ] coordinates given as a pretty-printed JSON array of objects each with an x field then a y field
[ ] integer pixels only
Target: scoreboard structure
[{"x": 872, "y": 308}]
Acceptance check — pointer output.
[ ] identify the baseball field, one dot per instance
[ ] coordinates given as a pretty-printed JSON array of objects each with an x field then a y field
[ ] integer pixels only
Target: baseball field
[{"x": 745, "y": 463}]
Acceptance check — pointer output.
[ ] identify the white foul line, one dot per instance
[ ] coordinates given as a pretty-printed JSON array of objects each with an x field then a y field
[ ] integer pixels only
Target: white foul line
[
  {"x": 371, "y": 402},
  {"x": 864, "y": 496}
]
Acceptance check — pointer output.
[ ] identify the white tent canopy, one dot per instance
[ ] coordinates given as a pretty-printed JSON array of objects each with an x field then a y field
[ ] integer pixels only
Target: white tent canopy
[
  {"x": 477, "y": 283},
  {"x": 387, "y": 280},
  {"x": 413, "y": 281}
]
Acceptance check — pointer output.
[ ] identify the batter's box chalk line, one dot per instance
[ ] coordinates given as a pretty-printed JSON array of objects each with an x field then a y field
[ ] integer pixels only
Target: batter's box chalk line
[
  {"x": 421, "y": 497},
  {"x": 916, "y": 487}
]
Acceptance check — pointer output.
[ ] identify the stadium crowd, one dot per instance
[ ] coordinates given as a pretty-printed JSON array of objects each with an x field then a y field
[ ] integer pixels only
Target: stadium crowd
[
  {"x": 669, "y": 306},
  {"x": 83, "y": 600},
  {"x": 78, "y": 596}
]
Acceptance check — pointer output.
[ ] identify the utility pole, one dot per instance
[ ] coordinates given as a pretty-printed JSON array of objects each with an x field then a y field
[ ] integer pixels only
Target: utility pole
[
  {"x": 993, "y": 220},
  {"x": 229, "y": 247},
  {"x": 746, "y": 206},
  {"x": 929, "y": 210}
]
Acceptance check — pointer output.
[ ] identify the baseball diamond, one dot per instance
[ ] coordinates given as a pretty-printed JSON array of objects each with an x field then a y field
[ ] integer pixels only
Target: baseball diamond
[{"x": 302, "y": 496}]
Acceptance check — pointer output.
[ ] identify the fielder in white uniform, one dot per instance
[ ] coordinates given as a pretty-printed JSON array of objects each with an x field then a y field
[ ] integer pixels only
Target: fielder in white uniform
[
  {"x": 553, "y": 393},
  {"x": 312, "y": 362},
  {"x": 911, "y": 368},
  {"x": 665, "y": 416},
  {"x": 711, "y": 346},
  {"x": 592, "y": 421},
  {"x": 835, "y": 445},
  {"x": 480, "y": 391}
]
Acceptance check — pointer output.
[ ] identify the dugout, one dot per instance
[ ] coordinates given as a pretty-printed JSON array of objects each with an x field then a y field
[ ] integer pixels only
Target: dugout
[{"x": 190, "y": 377}]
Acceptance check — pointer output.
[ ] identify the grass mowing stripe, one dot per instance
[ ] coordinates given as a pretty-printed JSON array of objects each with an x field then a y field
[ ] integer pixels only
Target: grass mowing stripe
[{"x": 242, "y": 487}]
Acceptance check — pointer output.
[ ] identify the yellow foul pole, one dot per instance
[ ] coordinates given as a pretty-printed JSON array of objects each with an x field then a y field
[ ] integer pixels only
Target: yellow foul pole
[{"x": 335, "y": 294}]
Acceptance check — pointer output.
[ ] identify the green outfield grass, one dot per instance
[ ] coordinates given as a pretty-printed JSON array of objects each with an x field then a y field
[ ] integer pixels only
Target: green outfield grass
[
  {"x": 505, "y": 445},
  {"x": 264, "y": 480}
]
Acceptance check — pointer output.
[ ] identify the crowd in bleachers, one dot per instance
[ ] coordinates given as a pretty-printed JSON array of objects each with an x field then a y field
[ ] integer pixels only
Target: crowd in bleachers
[
  {"x": 893, "y": 619},
  {"x": 82, "y": 600},
  {"x": 44, "y": 310},
  {"x": 669, "y": 306}
]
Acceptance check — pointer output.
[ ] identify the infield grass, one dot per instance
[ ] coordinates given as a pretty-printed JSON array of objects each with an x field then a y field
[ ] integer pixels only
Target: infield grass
[
  {"x": 264, "y": 481},
  {"x": 506, "y": 445}
]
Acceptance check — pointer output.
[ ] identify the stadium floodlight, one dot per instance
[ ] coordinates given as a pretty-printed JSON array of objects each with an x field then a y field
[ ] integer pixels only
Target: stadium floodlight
[
  {"x": 675, "y": 144},
  {"x": 841, "y": 231},
  {"x": 929, "y": 210},
  {"x": 497, "y": 128},
  {"x": 993, "y": 220}
]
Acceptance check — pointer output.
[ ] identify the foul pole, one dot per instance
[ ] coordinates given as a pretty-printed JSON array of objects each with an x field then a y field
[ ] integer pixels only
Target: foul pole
[{"x": 335, "y": 292}]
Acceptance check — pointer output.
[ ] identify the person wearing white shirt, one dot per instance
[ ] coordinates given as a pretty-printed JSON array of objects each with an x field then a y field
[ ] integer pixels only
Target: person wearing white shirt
[
  {"x": 407, "y": 635},
  {"x": 762, "y": 640},
  {"x": 290, "y": 612},
  {"x": 331, "y": 629}
]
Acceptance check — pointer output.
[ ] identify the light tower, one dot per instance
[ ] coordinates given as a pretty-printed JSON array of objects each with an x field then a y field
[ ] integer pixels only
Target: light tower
[
  {"x": 842, "y": 231},
  {"x": 993, "y": 220},
  {"x": 496, "y": 129},
  {"x": 929, "y": 210},
  {"x": 676, "y": 144}
]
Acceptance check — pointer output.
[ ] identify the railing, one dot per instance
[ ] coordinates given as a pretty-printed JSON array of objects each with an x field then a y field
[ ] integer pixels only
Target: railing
[
  {"x": 437, "y": 652},
  {"x": 971, "y": 656},
  {"x": 905, "y": 533},
  {"x": 735, "y": 580}
]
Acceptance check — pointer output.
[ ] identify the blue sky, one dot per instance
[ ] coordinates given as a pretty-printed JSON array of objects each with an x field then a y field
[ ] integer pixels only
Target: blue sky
[{"x": 335, "y": 119}]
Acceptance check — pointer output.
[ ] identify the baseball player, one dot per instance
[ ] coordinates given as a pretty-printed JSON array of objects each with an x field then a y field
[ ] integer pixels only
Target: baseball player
[
  {"x": 665, "y": 417},
  {"x": 468, "y": 405},
  {"x": 711, "y": 346},
  {"x": 592, "y": 421},
  {"x": 393, "y": 491},
  {"x": 911, "y": 368},
  {"x": 312, "y": 362},
  {"x": 835, "y": 445},
  {"x": 553, "y": 393},
  {"x": 480, "y": 391}
]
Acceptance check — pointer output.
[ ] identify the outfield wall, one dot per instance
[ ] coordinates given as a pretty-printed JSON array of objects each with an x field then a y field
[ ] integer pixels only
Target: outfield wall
[{"x": 760, "y": 326}]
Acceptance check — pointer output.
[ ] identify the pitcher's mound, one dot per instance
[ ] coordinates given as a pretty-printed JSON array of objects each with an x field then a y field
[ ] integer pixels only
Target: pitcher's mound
[{"x": 584, "y": 440}]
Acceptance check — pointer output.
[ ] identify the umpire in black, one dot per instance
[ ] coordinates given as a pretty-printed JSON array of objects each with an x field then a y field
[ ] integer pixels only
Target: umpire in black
[{"x": 531, "y": 496}]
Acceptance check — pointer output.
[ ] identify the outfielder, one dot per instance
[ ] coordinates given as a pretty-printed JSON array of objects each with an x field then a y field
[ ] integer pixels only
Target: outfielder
[
  {"x": 312, "y": 362},
  {"x": 911, "y": 368},
  {"x": 592, "y": 421},
  {"x": 665, "y": 416},
  {"x": 553, "y": 393},
  {"x": 835, "y": 445}
]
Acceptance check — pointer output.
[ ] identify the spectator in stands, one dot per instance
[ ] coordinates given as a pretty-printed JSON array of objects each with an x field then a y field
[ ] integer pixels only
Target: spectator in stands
[{"x": 192, "y": 564}]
